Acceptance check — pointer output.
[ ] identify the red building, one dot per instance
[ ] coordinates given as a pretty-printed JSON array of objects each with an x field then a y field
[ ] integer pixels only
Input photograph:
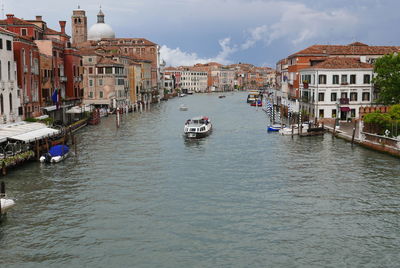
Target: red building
[{"x": 64, "y": 72}]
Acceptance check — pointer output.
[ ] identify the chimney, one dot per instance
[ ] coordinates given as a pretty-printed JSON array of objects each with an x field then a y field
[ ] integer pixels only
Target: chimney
[
  {"x": 39, "y": 18},
  {"x": 62, "y": 25},
  {"x": 10, "y": 18}
]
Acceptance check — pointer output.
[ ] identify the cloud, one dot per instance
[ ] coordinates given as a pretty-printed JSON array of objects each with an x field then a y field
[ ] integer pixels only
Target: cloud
[
  {"x": 177, "y": 57},
  {"x": 298, "y": 24}
]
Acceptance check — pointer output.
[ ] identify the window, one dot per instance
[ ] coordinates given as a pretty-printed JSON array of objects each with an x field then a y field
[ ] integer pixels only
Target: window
[
  {"x": 24, "y": 32},
  {"x": 333, "y": 96},
  {"x": 100, "y": 82},
  {"x": 352, "y": 79},
  {"x": 90, "y": 59},
  {"x": 335, "y": 79},
  {"x": 1, "y": 43},
  {"x": 353, "y": 113},
  {"x": 109, "y": 70},
  {"x": 322, "y": 79},
  {"x": 365, "y": 96},
  {"x": 343, "y": 81},
  {"x": 321, "y": 113},
  {"x": 1, "y": 104},
  {"x": 321, "y": 96},
  {"x": 333, "y": 113},
  {"x": 367, "y": 79},
  {"x": 11, "y": 102},
  {"x": 9, "y": 45},
  {"x": 100, "y": 70},
  {"x": 9, "y": 71},
  {"x": 91, "y": 94},
  {"x": 343, "y": 95},
  {"x": 353, "y": 96},
  {"x": 90, "y": 70},
  {"x": 101, "y": 94},
  {"x": 90, "y": 82}
]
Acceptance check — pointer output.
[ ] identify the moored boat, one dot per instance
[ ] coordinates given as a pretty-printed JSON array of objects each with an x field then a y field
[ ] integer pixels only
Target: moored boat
[
  {"x": 197, "y": 127},
  {"x": 294, "y": 129},
  {"x": 6, "y": 204},
  {"x": 56, "y": 154},
  {"x": 274, "y": 127}
]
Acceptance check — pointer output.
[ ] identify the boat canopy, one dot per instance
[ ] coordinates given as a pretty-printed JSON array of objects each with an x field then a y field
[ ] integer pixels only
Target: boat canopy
[{"x": 58, "y": 150}]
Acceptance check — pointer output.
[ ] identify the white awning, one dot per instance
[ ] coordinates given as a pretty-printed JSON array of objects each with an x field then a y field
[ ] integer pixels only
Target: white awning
[
  {"x": 79, "y": 109},
  {"x": 14, "y": 131},
  {"x": 36, "y": 134}
]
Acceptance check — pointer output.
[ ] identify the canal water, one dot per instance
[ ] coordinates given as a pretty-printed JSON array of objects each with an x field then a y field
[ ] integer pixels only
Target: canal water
[{"x": 143, "y": 196}]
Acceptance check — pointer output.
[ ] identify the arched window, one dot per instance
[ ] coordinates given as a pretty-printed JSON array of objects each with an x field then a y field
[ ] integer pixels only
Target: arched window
[
  {"x": 9, "y": 71},
  {"x": 11, "y": 106},
  {"x": 1, "y": 104}
]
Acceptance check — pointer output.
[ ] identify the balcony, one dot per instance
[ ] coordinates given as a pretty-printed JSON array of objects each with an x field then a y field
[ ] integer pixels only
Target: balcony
[{"x": 344, "y": 100}]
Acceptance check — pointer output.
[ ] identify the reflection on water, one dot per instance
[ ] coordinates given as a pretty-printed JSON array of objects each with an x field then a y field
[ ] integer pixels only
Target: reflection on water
[{"x": 145, "y": 196}]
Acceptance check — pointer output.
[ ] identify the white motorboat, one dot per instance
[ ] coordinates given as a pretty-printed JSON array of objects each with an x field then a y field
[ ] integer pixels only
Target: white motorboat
[
  {"x": 183, "y": 107},
  {"x": 56, "y": 154},
  {"x": 288, "y": 130},
  {"x": 6, "y": 204},
  {"x": 197, "y": 127}
]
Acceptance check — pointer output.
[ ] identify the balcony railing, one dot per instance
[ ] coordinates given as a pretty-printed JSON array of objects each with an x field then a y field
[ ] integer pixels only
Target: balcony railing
[{"x": 344, "y": 100}]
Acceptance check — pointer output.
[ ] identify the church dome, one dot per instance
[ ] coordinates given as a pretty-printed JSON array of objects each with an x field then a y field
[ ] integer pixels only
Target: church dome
[{"x": 100, "y": 29}]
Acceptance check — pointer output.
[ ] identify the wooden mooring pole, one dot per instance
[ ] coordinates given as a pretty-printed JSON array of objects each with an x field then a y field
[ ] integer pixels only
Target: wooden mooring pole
[
  {"x": 354, "y": 132},
  {"x": 3, "y": 169}
]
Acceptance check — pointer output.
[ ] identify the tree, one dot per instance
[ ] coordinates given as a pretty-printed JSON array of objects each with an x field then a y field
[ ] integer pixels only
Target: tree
[{"x": 387, "y": 78}]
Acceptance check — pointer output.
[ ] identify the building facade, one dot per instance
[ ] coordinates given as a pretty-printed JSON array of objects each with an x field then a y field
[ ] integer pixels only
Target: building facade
[
  {"x": 10, "y": 93},
  {"x": 336, "y": 88}
]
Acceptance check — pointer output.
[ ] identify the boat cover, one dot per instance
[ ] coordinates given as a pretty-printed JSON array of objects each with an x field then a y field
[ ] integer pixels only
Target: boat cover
[{"x": 57, "y": 150}]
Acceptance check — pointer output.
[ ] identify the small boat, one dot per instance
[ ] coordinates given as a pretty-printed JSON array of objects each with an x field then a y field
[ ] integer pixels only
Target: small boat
[
  {"x": 56, "y": 154},
  {"x": 182, "y": 95},
  {"x": 183, "y": 107},
  {"x": 256, "y": 103},
  {"x": 288, "y": 130},
  {"x": 197, "y": 127},
  {"x": 274, "y": 127},
  {"x": 221, "y": 96},
  {"x": 6, "y": 204}
]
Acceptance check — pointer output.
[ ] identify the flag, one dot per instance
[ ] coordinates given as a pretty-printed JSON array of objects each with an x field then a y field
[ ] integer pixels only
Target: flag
[{"x": 54, "y": 97}]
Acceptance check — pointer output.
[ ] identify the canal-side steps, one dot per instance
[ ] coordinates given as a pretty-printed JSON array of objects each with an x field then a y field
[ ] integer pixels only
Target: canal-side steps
[{"x": 5, "y": 203}]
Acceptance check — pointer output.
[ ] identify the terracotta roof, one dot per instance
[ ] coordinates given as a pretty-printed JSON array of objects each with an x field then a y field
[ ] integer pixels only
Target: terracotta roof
[
  {"x": 4, "y": 31},
  {"x": 342, "y": 63},
  {"x": 352, "y": 49},
  {"x": 51, "y": 32},
  {"x": 16, "y": 21},
  {"x": 141, "y": 41}
]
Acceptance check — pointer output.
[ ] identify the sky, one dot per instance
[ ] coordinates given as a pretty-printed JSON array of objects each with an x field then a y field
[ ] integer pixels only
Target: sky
[{"x": 260, "y": 32}]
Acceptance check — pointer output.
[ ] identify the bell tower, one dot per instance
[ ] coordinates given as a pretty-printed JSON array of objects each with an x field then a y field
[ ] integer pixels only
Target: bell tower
[{"x": 79, "y": 26}]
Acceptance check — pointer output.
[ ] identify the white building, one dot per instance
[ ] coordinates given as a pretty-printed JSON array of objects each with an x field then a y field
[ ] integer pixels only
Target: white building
[
  {"x": 9, "y": 94},
  {"x": 336, "y": 88},
  {"x": 194, "y": 81}
]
